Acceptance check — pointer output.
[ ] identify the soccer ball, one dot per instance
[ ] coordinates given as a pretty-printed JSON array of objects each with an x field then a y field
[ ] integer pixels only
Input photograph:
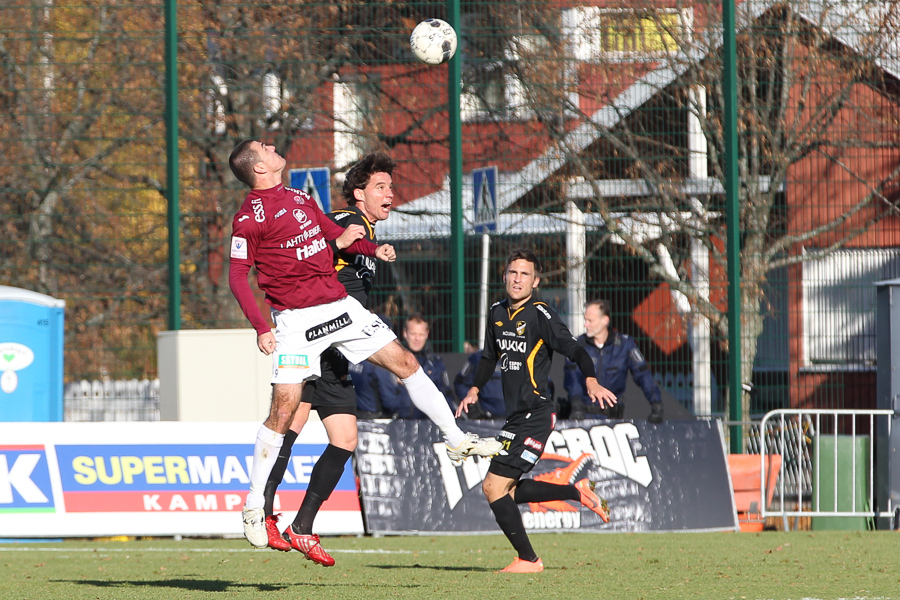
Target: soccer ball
[{"x": 433, "y": 41}]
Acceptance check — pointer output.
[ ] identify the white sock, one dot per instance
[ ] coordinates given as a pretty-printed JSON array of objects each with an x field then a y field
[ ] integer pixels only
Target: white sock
[
  {"x": 430, "y": 401},
  {"x": 265, "y": 453}
]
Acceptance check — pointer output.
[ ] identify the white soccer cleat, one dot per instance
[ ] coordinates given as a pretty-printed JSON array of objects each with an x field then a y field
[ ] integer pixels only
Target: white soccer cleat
[
  {"x": 255, "y": 527},
  {"x": 474, "y": 446}
]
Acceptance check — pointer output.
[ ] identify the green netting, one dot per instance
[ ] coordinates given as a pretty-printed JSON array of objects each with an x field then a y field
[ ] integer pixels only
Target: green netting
[{"x": 604, "y": 120}]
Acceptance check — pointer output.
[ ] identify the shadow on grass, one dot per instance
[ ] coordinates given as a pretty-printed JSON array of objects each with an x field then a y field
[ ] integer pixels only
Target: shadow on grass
[
  {"x": 435, "y": 568},
  {"x": 212, "y": 585}
]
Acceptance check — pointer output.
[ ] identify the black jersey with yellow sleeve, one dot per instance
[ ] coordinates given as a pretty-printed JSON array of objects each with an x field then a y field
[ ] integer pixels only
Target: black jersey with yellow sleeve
[
  {"x": 523, "y": 342},
  {"x": 355, "y": 271}
]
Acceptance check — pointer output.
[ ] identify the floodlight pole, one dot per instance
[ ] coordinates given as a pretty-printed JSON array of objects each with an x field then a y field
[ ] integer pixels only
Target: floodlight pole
[
  {"x": 733, "y": 224},
  {"x": 173, "y": 217},
  {"x": 457, "y": 259}
]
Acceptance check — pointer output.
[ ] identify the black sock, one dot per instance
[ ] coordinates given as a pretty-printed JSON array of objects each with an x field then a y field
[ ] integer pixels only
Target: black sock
[
  {"x": 322, "y": 481},
  {"x": 275, "y": 477},
  {"x": 529, "y": 490},
  {"x": 510, "y": 521}
]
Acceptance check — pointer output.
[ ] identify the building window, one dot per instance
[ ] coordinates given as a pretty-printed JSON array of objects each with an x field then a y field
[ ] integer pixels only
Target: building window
[
  {"x": 353, "y": 105},
  {"x": 839, "y": 327},
  {"x": 603, "y": 35},
  {"x": 493, "y": 89}
]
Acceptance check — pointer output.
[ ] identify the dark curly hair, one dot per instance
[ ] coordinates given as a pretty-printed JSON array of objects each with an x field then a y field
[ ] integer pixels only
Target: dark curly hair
[{"x": 359, "y": 174}]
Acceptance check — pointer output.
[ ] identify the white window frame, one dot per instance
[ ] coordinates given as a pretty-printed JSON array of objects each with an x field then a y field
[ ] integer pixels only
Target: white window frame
[{"x": 834, "y": 338}]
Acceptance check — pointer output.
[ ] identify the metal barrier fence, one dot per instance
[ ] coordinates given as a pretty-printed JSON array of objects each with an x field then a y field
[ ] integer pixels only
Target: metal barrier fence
[
  {"x": 109, "y": 400},
  {"x": 813, "y": 445}
]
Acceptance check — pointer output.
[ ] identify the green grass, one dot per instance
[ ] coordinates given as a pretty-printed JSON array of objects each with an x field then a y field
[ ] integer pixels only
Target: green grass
[{"x": 770, "y": 565}]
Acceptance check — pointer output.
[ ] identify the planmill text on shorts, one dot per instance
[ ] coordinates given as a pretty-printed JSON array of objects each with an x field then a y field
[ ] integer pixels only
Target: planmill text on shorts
[{"x": 329, "y": 327}]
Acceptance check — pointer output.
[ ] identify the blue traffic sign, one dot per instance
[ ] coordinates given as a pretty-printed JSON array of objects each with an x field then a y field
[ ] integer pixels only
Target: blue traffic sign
[
  {"x": 315, "y": 181},
  {"x": 484, "y": 188}
]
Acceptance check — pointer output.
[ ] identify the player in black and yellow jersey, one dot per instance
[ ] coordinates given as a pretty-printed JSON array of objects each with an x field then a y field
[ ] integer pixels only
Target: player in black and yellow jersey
[{"x": 522, "y": 335}]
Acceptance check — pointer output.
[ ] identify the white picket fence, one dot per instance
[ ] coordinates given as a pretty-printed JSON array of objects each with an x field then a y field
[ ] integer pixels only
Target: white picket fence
[{"x": 112, "y": 400}]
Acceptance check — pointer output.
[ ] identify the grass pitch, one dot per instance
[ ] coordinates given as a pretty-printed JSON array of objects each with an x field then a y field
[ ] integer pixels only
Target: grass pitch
[{"x": 769, "y": 565}]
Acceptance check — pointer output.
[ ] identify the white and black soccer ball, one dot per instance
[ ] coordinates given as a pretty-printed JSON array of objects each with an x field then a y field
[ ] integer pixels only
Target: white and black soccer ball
[{"x": 433, "y": 41}]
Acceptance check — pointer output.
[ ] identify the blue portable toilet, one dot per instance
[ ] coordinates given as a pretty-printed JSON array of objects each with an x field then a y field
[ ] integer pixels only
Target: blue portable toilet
[{"x": 31, "y": 356}]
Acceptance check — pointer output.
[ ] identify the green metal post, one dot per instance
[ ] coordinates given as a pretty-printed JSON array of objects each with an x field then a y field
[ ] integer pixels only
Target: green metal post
[
  {"x": 458, "y": 280},
  {"x": 173, "y": 217},
  {"x": 733, "y": 222}
]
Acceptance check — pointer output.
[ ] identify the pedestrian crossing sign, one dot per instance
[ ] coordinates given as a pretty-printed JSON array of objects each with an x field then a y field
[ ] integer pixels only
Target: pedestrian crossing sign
[
  {"x": 315, "y": 181},
  {"x": 484, "y": 187}
]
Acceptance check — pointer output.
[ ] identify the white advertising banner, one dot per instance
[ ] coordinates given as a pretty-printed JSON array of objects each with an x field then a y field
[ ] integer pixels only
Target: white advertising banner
[{"x": 154, "y": 479}]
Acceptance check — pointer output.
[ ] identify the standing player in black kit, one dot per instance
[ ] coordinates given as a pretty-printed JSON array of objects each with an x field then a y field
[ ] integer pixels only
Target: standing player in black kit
[
  {"x": 522, "y": 334},
  {"x": 368, "y": 191}
]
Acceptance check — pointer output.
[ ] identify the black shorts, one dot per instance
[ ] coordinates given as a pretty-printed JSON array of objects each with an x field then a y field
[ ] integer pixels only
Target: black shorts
[
  {"x": 523, "y": 435},
  {"x": 332, "y": 392}
]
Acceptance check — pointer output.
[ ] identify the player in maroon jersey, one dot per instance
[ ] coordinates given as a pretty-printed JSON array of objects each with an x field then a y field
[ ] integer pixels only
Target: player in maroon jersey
[{"x": 284, "y": 234}]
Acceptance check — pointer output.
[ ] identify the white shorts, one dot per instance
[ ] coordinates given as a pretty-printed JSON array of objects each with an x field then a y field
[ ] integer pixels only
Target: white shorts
[{"x": 302, "y": 334}]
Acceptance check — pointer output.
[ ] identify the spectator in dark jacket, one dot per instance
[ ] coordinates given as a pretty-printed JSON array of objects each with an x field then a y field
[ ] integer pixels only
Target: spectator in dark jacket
[{"x": 614, "y": 355}]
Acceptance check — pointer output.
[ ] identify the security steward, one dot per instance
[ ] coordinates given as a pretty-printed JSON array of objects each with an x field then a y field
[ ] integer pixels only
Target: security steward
[{"x": 614, "y": 354}]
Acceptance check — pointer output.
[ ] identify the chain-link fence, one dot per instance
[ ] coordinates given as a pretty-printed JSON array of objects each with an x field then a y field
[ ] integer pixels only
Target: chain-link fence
[{"x": 604, "y": 121}]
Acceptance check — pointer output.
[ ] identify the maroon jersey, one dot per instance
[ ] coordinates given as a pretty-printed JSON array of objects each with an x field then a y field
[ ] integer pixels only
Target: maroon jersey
[{"x": 283, "y": 233}]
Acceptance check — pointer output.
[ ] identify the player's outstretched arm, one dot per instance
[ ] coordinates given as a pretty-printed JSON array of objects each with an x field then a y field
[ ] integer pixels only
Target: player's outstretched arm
[
  {"x": 470, "y": 399},
  {"x": 386, "y": 253},
  {"x": 350, "y": 235},
  {"x": 599, "y": 394}
]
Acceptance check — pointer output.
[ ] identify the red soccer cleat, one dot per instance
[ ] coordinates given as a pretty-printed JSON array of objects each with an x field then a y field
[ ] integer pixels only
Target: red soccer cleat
[
  {"x": 523, "y": 566},
  {"x": 308, "y": 546},
  {"x": 275, "y": 540},
  {"x": 592, "y": 500}
]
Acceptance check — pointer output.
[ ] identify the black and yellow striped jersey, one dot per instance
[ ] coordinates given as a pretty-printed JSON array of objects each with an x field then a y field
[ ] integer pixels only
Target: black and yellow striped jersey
[
  {"x": 523, "y": 342},
  {"x": 355, "y": 271}
]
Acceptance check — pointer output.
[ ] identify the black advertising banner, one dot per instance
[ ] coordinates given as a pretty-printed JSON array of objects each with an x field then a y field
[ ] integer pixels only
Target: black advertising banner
[{"x": 667, "y": 477}]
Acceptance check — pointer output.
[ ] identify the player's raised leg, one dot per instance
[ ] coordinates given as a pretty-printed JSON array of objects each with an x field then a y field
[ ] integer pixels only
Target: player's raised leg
[{"x": 427, "y": 398}]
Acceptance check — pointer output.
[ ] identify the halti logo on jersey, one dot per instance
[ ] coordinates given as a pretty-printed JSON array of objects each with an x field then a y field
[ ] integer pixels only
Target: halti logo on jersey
[
  {"x": 520, "y": 327},
  {"x": 25, "y": 480},
  {"x": 310, "y": 249}
]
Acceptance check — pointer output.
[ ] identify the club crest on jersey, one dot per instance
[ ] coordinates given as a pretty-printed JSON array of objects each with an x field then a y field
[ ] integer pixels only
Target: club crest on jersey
[
  {"x": 520, "y": 327},
  {"x": 301, "y": 217}
]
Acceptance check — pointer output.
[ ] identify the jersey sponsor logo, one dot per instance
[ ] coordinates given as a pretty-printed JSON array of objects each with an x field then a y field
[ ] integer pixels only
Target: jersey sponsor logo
[
  {"x": 530, "y": 456},
  {"x": 311, "y": 249},
  {"x": 302, "y": 218},
  {"x": 259, "y": 213},
  {"x": 543, "y": 310},
  {"x": 340, "y": 216},
  {"x": 533, "y": 443},
  {"x": 281, "y": 212},
  {"x": 299, "y": 239},
  {"x": 238, "y": 248},
  {"x": 374, "y": 327},
  {"x": 507, "y": 435},
  {"x": 329, "y": 327},
  {"x": 293, "y": 361},
  {"x": 509, "y": 365},
  {"x": 513, "y": 345},
  {"x": 520, "y": 328},
  {"x": 25, "y": 480}
]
